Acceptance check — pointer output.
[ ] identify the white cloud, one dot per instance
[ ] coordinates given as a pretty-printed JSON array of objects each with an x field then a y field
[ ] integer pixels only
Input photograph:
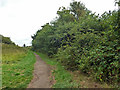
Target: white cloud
[{"x": 19, "y": 19}]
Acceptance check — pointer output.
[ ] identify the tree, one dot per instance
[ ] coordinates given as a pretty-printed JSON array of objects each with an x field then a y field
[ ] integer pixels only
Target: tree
[
  {"x": 77, "y": 8},
  {"x": 65, "y": 15}
]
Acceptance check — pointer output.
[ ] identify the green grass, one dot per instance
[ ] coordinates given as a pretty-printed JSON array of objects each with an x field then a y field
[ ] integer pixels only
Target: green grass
[
  {"x": 63, "y": 78},
  {"x": 18, "y": 75},
  {"x": 17, "y": 67}
]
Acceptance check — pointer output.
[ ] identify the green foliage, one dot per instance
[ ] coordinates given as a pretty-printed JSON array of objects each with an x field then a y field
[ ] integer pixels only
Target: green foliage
[
  {"x": 81, "y": 40},
  {"x": 77, "y": 8},
  {"x": 67, "y": 56},
  {"x": 45, "y": 45},
  {"x": 65, "y": 15}
]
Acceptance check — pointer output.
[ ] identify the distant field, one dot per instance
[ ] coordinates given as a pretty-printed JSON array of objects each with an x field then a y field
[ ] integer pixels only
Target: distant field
[{"x": 17, "y": 66}]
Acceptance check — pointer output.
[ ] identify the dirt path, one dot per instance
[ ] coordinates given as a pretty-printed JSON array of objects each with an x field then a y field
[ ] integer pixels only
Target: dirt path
[{"x": 41, "y": 74}]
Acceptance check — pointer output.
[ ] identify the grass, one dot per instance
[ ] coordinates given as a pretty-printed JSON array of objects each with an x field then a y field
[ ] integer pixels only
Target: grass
[
  {"x": 17, "y": 67},
  {"x": 62, "y": 77}
]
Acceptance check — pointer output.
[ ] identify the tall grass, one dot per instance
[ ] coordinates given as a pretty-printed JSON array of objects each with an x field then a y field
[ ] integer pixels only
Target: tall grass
[
  {"x": 12, "y": 53},
  {"x": 17, "y": 66}
]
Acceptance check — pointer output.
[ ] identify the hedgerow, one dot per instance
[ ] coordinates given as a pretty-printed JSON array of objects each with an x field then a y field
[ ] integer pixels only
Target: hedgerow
[{"x": 82, "y": 40}]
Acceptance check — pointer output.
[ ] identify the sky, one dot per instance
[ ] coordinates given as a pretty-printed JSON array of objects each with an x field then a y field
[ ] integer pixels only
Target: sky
[{"x": 19, "y": 19}]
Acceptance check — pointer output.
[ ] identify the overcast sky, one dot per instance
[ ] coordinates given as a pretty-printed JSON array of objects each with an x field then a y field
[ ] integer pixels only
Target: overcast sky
[{"x": 19, "y": 19}]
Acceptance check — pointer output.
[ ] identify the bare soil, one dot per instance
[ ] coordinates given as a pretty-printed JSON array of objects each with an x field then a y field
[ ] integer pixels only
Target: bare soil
[{"x": 42, "y": 73}]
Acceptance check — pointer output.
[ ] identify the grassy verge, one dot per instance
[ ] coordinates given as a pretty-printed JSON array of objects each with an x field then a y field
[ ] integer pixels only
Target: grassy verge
[
  {"x": 62, "y": 77},
  {"x": 18, "y": 74}
]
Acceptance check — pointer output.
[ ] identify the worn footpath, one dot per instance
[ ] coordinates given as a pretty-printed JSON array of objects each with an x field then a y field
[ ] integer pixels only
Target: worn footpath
[{"x": 41, "y": 74}]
